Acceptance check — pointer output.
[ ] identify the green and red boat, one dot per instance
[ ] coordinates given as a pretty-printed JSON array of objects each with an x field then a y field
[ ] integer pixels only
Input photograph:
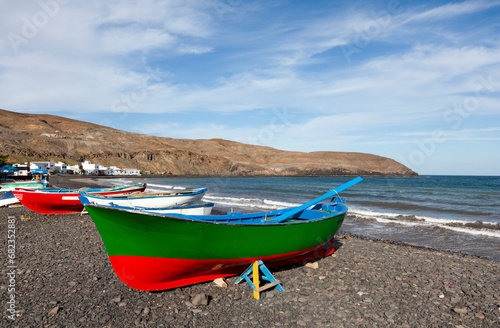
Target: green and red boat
[{"x": 151, "y": 251}]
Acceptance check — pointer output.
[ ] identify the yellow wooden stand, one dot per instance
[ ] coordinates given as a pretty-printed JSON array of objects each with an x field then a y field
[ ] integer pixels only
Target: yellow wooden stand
[{"x": 266, "y": 275}]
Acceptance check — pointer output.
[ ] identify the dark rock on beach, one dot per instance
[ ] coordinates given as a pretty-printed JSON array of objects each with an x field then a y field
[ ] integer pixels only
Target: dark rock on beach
[{"x": 63, "y": 278}]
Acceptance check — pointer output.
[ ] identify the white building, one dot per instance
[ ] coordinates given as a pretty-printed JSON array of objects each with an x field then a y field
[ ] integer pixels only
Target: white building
[
  {"x": 48, "y": 166},
  {"x": 23, "y": 169},
  {"x": 89, "y": 168},
  {"x": 61, "y": 168},
  {"x": 75, "y": 169},
  {"x": 102, "y": 170},
  {"x": 113, "y": 170},
  {"x": 131, "y": 172}
]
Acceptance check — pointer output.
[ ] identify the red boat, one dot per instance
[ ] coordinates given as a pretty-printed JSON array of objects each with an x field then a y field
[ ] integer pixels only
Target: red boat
[{"x": 63, "y": 201}]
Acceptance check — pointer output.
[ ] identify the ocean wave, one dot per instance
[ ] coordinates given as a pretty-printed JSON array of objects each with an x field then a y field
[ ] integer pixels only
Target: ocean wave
[
  {"x": 442, "y": 206},
  {"x": 115, "y": 182},
  {"x": 473, "y": 231},
  {"x": 160, "y": 187},
  {"x": 490, "y": 229}
]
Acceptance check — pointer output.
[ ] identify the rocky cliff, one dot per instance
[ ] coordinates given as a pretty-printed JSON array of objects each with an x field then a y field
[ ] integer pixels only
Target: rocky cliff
[{"x": 36, "y": 137}]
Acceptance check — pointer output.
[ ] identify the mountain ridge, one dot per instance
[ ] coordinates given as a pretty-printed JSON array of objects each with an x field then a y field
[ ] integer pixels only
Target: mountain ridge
[{"x": 45, "y": 137}]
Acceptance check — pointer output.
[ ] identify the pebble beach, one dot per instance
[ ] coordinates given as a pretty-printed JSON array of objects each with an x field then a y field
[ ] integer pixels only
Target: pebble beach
[{"x": 63, "y": 278}]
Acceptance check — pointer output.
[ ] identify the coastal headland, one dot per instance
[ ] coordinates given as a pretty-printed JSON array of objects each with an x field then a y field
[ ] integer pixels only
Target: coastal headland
[
  {"x": 35, "y": 137},
  {"x": 63, "y": 277}
]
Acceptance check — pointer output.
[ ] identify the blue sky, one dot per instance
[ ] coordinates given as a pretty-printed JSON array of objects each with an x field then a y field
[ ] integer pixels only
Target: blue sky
[{"x": 416, "y": 81}]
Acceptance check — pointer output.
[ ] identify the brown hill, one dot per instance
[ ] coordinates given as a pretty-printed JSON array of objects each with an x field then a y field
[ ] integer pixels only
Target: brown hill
[{"x": 52, "y": 138}]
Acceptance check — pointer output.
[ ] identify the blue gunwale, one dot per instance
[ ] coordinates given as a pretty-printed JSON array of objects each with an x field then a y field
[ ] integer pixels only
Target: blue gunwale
[{"x": 315, "y": 213}]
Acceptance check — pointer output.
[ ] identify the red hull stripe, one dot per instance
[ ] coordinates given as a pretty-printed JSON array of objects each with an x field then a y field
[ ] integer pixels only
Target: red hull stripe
[{"x": 155, "y": 273}]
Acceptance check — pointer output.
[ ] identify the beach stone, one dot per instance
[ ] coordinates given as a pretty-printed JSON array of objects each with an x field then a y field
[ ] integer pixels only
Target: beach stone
[
  {"x": 390, "y": 314},
  {"x": 199, "y": 299},
  {"x": 116, "y": 299},
  {"x": 105, "y": 319},
  {"x": 479, "y": 315},
  {"x": 312, "y": 265},
  {"x": 460, "y": 310},
  {"x": 54, "y": 310},
  {"x": 220, "y": 282}
]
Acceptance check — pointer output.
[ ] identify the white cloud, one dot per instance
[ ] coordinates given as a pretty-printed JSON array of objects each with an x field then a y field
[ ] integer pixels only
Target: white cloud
[
  {"x": 484, "y": 134},
  {"x": 184, "y": 18},
  {"x": 94, "y": 56},
  {"x": 119, "y": 41},
  {"x": 77, "y": 56},
  {"x": 454, "y": 9},
  {"x": 200, "y": 130},
  {"x": 193, "y": 49}
]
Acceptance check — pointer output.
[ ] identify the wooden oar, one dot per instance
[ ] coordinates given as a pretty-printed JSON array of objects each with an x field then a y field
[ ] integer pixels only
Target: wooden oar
[{"x": 329, "y": 194}]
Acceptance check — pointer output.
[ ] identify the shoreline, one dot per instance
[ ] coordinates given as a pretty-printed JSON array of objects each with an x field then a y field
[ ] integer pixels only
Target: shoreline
[{"x": 64, "y": 277}]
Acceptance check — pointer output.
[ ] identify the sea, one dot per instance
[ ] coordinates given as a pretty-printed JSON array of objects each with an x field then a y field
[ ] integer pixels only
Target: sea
[{"x": 450, "y": 213}]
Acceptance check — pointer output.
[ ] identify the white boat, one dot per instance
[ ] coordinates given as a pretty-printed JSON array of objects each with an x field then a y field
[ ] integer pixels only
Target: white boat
[
  {"x": 198, "y": 209},
  {"x": 8, "y": 198},
  {"x": 158, "y": 200}
]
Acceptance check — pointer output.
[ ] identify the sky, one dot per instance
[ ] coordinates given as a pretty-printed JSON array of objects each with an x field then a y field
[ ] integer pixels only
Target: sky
[{"x": 415, "y": 81}]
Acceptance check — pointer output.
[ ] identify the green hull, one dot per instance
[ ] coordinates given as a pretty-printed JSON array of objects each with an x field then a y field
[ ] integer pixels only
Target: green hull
[{"x": 27, "y": 184}]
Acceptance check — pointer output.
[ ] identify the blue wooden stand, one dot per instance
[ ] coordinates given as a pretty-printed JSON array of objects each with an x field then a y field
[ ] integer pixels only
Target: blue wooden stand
[{"x": 266, "y": 275}]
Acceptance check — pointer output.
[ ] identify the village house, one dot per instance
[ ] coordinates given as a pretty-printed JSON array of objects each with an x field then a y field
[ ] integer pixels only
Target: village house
[
  {"x": 90, "y": 168},
  {"x": 61, "y": 168},
  {"x": 48, "y": 166},
  {"x": 73, "y": 169}
]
